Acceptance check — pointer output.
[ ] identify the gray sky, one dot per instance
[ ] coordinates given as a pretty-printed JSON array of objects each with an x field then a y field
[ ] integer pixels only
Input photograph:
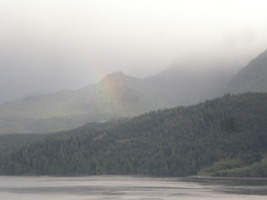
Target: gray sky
[{"x": 48, "y": 45}]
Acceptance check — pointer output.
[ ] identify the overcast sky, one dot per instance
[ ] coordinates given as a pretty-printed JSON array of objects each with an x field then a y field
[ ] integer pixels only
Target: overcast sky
[{"x": 48, "y": 45}]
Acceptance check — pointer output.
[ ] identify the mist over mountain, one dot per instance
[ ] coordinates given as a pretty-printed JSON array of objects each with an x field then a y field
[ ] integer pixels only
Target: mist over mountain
[
  {"x": 47, "y": 46},
  {"x": 119, "y": 95}
]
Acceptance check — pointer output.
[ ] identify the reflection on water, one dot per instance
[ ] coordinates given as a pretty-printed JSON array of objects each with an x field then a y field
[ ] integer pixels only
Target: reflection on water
[{"x": 130, "y": 188}]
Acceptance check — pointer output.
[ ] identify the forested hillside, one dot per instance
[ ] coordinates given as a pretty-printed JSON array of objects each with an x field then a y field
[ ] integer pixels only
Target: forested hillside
[
  {"x": 225, "y": 136},
  {"x": 11, "y": 141}
]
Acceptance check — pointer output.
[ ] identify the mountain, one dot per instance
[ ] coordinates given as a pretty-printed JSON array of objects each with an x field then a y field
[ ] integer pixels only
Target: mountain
[
  {"x": 117, "y": 95},
  {"x": 251, "y": 78},
  {"x": 225, "y": 136},
  {"x": 190, "y": 82}
]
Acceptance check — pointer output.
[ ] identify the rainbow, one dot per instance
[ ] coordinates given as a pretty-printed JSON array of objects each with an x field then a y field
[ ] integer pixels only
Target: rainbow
[{"x": 108, "y": 93}]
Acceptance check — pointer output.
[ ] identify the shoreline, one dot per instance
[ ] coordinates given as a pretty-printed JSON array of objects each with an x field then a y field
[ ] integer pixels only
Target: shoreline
[{"x": 226, "y": 178}]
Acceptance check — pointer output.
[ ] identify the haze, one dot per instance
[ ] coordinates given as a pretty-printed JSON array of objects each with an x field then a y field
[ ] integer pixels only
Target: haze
[{"x": 49, "y": 45}]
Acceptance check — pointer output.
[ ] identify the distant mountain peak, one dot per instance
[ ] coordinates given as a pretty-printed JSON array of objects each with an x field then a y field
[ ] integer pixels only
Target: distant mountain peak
[
  {"x": 117, "y": 73},
  {"x": 117, "y": 76}
]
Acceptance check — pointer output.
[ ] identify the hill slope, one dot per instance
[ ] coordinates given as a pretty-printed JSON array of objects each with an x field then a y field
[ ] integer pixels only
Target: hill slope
[
  {"x": 191, "y": 82},
  {"x": 229, "y": 132},
  {"x": 252, "y": 78}
]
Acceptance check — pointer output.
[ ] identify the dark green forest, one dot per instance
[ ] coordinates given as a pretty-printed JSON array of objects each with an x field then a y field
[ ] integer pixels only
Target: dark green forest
[
  {"x": 222, "y": 137},
  {"x": 11, "y": 141}
]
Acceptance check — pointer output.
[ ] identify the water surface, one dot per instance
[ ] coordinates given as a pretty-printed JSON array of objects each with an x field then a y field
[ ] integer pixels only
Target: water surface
[{"x": 130, "y": 188}]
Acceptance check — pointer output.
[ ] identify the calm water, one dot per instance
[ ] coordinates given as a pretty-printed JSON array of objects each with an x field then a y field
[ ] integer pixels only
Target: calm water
[{"x": 130, "y": 188}]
